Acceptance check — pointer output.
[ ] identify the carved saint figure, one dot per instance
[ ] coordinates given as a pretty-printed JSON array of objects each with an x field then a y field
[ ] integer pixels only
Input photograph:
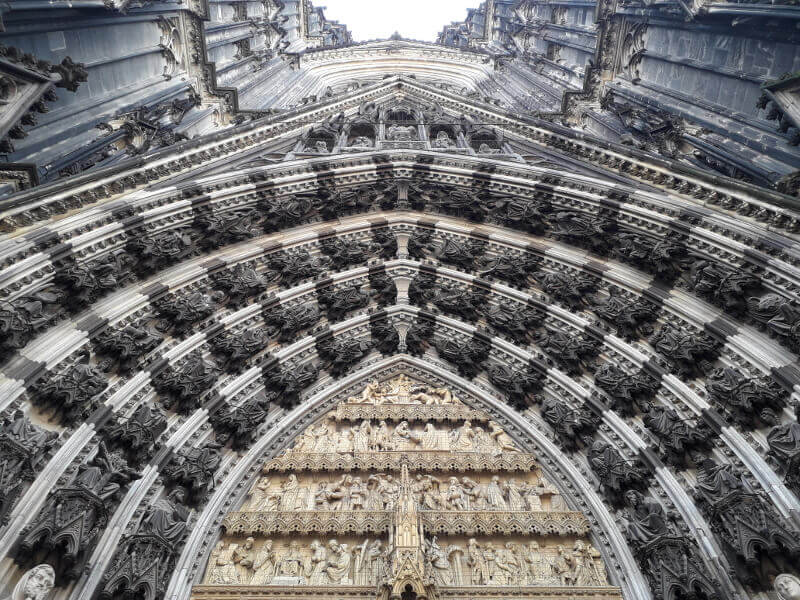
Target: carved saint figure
[
  {"x": 36, "y": 584},
  {"x": 319, "y": 556},
  {"x": 463, "y": 438},
  {"x": 291, "y": 565},
  {"x": 290, "y": 492},
  {"x": 244, "y": 559},
  {"x": 443, "y": 140},
  {"x": 438, "y": 563},
  {"x": 401, "y": 133},
  {"x": 501, "y": 438},
  {"x": 479, "y": 571},
  {"x": 787, "y": 586},
  {"x": 223, "y": 571},
  {"x": 338, "y": 566}
]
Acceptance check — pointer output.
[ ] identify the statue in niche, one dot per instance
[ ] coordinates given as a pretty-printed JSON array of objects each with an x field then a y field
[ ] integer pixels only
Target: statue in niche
[
  {"x": 362, "y": 141},
  {"x": 167, "y": 517},
  {"x": 485, "y": 148},
  {"x": 479, "y": 570},
  {"x": 319, "y": 558},
  {"x": 501, "y": 438},
  {"x": 401, "y": 133},
  {"x": 787, "y": 586},
  {"x": 222, "y": 571},
  {"x": 648, "y": 522},
  {"x": 443, "y": 141},
  {"x": 337, "y": 568},
  {"x": 36, "y": 584},
  {"x": 264, "y": 566},
  {"x": 244, "y": 559}
]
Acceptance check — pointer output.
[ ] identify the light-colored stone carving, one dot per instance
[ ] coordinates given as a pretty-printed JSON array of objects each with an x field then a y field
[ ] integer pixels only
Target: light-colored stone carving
[
  {"x": 787, "y": 586},
  {"x": 36, "y": 584},
  {"x": 401, "y": 502}
]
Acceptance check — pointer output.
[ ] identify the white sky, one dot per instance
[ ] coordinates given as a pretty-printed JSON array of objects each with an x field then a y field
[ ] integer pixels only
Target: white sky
[{"x": 413, "y": 19}]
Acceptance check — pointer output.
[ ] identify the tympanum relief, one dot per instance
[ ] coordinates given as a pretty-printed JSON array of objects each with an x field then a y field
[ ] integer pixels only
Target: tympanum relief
[{"x": 403, "y": 485}]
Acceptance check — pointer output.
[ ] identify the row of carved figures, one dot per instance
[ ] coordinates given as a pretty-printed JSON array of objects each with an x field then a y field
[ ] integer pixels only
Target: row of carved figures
[
  {"x": 381, "y": 492},
  {"x": 367, "y": 437},
  {"x": 368, "y": 563},
  {"x": 402, "y": 390}
]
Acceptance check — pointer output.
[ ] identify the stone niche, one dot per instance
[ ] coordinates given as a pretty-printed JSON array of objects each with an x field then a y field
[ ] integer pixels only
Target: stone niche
[{"x": 404, "y": 491}]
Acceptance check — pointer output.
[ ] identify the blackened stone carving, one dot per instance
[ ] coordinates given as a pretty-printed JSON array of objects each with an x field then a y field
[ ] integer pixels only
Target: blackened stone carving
[
  {"x": 616, "y": 473},
  {"x": 385, "y": 337},
  {"x": 23, "y": 450},
  {"x": 240, "y": 425},
  {"x": 462, "y": 203},
  {"x": 340, "y": 301},
  {"x": 691, "y": 353},
  {"x": 137, "y": 435},
  {"x": 680, "y": 440},
  {"x": 750, "y": 401},
  {"x": 572, "y": 427},
  {"x": 384, "y": 288},
  {"x": 124, "y": 347},
  {"x": 339, "y": 355},
  {"x": 784, "y": 448},
  {"x": 185, "y": 384},
  {"x": 289, "y": 382},
  {"x": 419, "y": 337},
  {"x": 286, "y": 211},
  {"x": 23, "y": 317},
  {"x": 593, "y": 232},
  {"x": 344, "y": 253},
  {"x": 84, "y": 283},
  {"x": 240, "y": 283},
  {"x": 236, "y": 347},
  {"x": 665, "y": 258},
  {"x": 460, "y": 252},
  {"x": 628, "y": 393},
  {"x": 514, "y": 270},
  {"x": 420, "y": 244},
  {"x": 633, "y": 320},
  {"x": 193, "y": 469},
  {"x": 670, "y": 562},
  {"x": 523, "y": 214},
  {"x": 519, "y": 322},
  {"x": 466, "y": 303},
  {"x": 519, "y": 386},
  {"x": 779, "y": 316},
  {"x": 292, "y": 267},
  {"x": 67, "y": 528},
  {"x": 159, "y": 250},
  {"x": 386, "y": 242},
  {"x": 572, "y": 352},
  {"x": 748, "y": 527},
  {"x": 333, "y": 204},
  {"x": 571, "y": 289},
  {"x": 467, "y": 354},
  {"x": 422, "y": 289},
  {"x": 181, "y": 311},
  {"x": 144, "y": 562},
  {"x": 70, "y": 395},
  {"x": 725, "y": 287},
  {"x": 228, "y": 227},
  {"x": 286, "y": 322}
]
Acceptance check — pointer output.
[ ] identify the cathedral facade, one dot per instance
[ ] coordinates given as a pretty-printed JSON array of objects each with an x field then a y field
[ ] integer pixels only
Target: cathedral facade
[{"x": 513, "y": 314}]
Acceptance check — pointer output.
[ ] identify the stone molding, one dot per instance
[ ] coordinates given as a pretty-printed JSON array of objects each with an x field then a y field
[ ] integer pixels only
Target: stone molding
[{"x": 408, "y": 412}]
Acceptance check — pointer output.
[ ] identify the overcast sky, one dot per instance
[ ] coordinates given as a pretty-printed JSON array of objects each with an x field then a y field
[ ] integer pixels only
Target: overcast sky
[{"x": 414, "y": 19}]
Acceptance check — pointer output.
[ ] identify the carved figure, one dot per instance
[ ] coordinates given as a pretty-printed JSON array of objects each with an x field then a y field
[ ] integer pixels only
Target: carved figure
[
  {"x": 264, "y": 566},
  {"x": 787, "y": 586},
  {"x": 36, "y": 584}
]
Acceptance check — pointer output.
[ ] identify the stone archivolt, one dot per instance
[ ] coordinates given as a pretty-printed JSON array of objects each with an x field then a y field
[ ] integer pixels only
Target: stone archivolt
[{"x": 392, "y": 520}]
